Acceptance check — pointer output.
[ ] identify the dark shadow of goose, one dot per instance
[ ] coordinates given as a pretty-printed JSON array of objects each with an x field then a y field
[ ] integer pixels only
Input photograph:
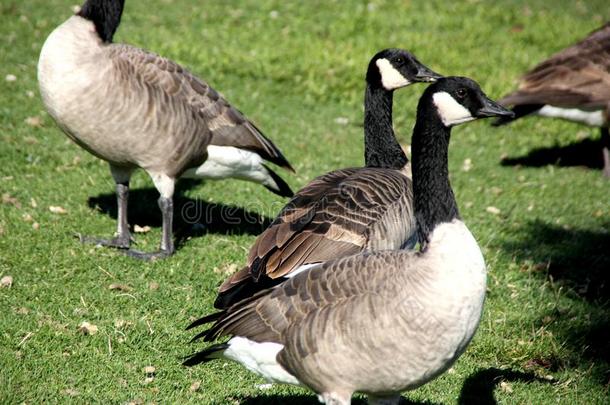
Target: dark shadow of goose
[
  {"x": 304, "y": 399},
  {"x": 586, "y": 153},
  {"x": 479, "y": 387},
  {"x": 580, "y": 260},
  {"x": 579, "y": 257},
  {"x": 192, "y": 217}
]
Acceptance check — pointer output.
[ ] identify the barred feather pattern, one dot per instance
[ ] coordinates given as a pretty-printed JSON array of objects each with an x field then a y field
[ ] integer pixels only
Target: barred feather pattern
[{"x": 341, "y": 213}]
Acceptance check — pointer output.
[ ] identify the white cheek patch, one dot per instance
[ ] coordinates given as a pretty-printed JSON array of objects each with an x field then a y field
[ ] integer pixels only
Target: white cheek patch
[
  {"x": 450, "y": 111},
  {"x": 390, "y": 77}
]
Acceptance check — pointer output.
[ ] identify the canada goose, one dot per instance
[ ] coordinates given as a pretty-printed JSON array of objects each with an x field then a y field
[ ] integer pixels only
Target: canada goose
[
  {"x": 345, "y": 211},
  {"x": 573, "y": 84},
  {"x": 383, "y": 322},
  {"x": 135, "y": 109}
]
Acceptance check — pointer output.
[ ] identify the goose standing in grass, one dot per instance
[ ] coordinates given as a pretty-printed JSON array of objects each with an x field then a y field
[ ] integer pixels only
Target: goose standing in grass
[
  {"x": 135, "y": 109},
  {"x": 573, "y": 84},
  {"x": 345, "y": 211},
  {"x": 383, "y": 322}
]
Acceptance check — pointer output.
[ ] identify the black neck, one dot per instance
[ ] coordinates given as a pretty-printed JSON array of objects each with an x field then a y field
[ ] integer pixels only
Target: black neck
[
  {"x": 105, "y": 14},
  {"x": 434, "y": 201},
  {"x": 381, "y": 149}
]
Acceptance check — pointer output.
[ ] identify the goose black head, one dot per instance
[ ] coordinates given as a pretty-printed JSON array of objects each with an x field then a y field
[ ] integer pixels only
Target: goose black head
[
  {"x": 460, "y": 99},
  {"x": 105, "y": 15},
  {"x": 396, "y": 68}
]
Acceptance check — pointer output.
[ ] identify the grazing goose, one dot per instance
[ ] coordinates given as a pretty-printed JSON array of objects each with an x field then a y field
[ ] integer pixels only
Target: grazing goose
[
  {"x": 135, "y": 109},
  {"x": 573, "y": 84},
  {"x": 383, "y": 322},
  {"x": 345, "y": 211}
]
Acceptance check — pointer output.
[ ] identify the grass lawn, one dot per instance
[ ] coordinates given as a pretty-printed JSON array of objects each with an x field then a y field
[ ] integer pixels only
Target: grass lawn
[{"x": 296, "y": 69}]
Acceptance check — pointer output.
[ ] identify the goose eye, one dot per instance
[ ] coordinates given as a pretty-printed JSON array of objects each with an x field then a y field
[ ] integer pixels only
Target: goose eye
[
  {"x": 399, "y": 61},
  {"x": 461, "y": 93}
]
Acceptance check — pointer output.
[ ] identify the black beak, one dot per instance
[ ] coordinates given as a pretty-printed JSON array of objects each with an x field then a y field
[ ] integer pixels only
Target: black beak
[
  {"x": 426, "y": 75},
  {"x": 492, "y": 109}
]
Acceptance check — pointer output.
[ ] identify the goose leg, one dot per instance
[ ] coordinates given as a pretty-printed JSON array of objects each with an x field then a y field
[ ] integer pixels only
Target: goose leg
[
  {"x": 606, "y": 151},
  {"x": 122, "y": 240},
  {"x": 165, "y": 185}
]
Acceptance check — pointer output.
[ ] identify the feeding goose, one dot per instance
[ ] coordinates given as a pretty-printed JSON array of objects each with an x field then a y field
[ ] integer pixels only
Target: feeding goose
[
  {"x": 383, "y": 322},
  {"x": 135, "y": 109},
  {"x": 573, "y": 84},
  {"x": 346, "y": 211}
]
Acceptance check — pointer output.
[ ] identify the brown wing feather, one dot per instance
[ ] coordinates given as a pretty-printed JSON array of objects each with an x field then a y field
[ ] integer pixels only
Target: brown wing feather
[
  {"x": 338, "y": 310},
  {"x": 227, "y": 126},
  {"x": 334, "y": 216},
  {"x": 284, "y": 226},
  {"x": 578, "y": 76}
]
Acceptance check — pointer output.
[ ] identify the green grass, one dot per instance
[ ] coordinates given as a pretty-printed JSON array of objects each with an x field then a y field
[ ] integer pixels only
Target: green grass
[{"x": 544, "y": 333}]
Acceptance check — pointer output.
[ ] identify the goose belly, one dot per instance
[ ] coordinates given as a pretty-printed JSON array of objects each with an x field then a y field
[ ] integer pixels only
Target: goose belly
[
  {"x": 592, "y": 118},
  {"x": 105, "y": 131},
  {"x": 107, "y": 111},
  {"x": 103, "y": 138}
]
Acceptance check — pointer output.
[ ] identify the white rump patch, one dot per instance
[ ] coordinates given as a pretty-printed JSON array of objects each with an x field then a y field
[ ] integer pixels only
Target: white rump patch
[
  {"x": 259, "y": 358},
  {"x": 301, "y": 269},
  {"x": 230, "y": 162},
  {"x": 450, "y": 111},
  {"x": 592, "y": 118},
  {"x": 390, "y": 77}
]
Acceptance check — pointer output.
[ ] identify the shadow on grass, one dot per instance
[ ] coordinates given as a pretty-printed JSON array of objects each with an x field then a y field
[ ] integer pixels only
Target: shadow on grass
[
  {"x": 577, "y": 262},
  {"x": 586, "y": 153},
  {"x": 192, "y": 217},
  {"x": 305, "y": 399},
  {"x": 479, "y": 387},
  {"x": 578, "y": 257}
]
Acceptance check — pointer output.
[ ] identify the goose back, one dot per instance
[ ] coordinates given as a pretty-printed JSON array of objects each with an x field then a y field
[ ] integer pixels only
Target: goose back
[{"x": 338, "y": 214}]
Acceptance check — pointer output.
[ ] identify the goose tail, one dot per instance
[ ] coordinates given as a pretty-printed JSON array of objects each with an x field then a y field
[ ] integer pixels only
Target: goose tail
[
  {"x": 520, "y": 111},
  {"x": 204, "y": 356},
  {"x": 276, "y": 184}
]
